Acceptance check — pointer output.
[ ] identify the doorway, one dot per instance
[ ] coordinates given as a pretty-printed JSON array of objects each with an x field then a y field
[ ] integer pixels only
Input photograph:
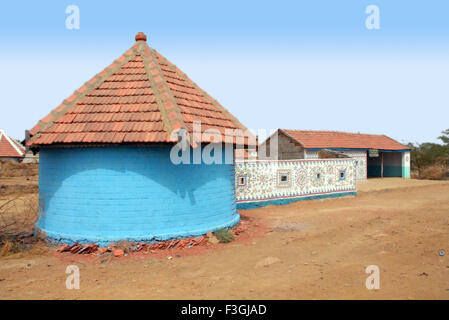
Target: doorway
[{"x": 386, "y": 164}]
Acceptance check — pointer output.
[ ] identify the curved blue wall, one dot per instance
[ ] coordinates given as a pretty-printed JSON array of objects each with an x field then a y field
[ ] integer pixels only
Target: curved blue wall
[{"x": 131, "y": 193}]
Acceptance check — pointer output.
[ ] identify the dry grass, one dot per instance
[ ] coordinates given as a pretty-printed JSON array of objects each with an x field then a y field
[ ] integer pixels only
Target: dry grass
[
  {"x": 18, "y": 178},
  {"x": 18, "y": 249},
  {"x": 14, "y": 169},
  {"x": 7, "y": 248},
  {"x": 434, "y": 172},
  {"x": 18, "y": 215},
  {"x": 17, "y": 219}
]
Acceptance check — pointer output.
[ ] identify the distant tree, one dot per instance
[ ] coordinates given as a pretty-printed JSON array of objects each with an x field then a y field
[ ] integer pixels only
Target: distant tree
[
  {"x": 431, "y": 160},
  {"x": 445, "y": 137},
  {"x": 427, "y": 154}
]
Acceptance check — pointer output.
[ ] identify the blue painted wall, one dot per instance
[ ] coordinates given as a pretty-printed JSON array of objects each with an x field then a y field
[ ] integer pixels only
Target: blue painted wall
[
  {"x": 135, "y": 193},
  {"x": 259, "y": 204},
  {"x": 406, "y": 172}
]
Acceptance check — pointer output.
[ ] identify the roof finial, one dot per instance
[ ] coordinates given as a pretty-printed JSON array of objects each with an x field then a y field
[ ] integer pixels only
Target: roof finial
[{"x": 141, "y": 37}]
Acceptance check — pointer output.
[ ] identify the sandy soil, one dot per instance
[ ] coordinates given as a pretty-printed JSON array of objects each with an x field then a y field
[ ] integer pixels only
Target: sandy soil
[
  {"x": 318, "y": 250},
  {"x": 393, "y": 183}
]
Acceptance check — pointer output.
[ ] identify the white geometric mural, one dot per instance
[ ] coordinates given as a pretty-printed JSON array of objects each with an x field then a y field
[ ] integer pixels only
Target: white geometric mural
[{"x": 261, "y": 180}]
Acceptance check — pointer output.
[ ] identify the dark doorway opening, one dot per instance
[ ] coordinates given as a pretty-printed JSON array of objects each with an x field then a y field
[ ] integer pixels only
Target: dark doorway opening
[{"x": 386, "y": 164}]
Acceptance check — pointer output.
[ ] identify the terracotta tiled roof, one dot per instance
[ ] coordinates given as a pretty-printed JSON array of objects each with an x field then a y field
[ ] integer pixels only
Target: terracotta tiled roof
[
  {"x": 334, "y": 139},
  {"x": 9, "y": 147},
  {"x": 141, "y": 97}
]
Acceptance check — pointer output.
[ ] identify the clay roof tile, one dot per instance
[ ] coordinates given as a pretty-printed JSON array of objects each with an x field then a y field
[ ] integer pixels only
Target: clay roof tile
[
  {"x": 140, "y": 93},
  {"x": 343, "y": 140}
]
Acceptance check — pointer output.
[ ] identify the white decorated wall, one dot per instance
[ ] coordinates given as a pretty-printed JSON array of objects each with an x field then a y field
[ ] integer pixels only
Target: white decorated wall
[
  {"x": 359, "y": 155},
  {"x": 362, "y": 162},
  {"x": 266, "y": 180}
]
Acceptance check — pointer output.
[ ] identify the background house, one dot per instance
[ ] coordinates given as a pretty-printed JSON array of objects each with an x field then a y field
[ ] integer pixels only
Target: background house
[
  {"x": 10, "y": 149},
  {"x": 376, "y": 155}
]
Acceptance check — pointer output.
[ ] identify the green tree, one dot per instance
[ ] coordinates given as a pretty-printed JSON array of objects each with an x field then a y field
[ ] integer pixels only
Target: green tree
[
  {"x": 445, "y": 137},
  {"x": 431, "y": 160},
  {"x": 427, "y": 154}
]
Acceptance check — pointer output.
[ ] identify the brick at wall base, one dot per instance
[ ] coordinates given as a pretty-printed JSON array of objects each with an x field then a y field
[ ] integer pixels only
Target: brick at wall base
[{"x": 58, "y": 238}]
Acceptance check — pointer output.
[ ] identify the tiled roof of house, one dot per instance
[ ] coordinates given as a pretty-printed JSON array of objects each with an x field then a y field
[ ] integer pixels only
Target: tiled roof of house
[
  {"x": 334, "y": 139},
  {"x": 141, "y": 97},
  {"x": 9, "y": 147}
]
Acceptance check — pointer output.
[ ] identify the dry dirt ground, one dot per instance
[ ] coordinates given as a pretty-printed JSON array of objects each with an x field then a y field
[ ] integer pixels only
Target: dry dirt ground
[{"x": 318, "y": 250}]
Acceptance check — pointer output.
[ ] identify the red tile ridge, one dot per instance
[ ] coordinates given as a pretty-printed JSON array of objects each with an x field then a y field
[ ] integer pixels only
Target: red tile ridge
[{"x": 161, "y": 90}]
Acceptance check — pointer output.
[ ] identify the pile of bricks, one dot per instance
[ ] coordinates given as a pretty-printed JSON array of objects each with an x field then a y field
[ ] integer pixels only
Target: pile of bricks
[
  {"x": 242, "y": 227},
  {"x": 92, "y": 248},
  {"x": 173, "y": 244},
  {"x": 79, "y": 248},
  {"x": 120, "y": 250}
]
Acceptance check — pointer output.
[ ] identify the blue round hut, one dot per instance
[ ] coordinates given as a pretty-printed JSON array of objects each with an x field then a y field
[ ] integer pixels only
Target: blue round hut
[{"x": 105, "y": 171}]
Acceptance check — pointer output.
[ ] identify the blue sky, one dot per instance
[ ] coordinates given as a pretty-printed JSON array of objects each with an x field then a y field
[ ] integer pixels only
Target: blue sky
[{"x": 287, "y": 64}]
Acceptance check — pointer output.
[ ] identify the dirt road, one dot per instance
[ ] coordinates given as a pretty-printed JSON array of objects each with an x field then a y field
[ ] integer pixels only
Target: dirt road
[{"x": 311, "y": 250}]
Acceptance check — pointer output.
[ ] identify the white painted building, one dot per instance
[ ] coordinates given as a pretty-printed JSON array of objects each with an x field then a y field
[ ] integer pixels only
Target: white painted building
[{"x": 376, "y": 155}]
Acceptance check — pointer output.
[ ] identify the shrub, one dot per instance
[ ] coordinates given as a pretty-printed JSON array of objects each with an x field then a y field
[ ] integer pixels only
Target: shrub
[
  {"x": 430, "y": 160},
  {"x": 224, "y": 235},
  {"x": 434, "y": 172}
]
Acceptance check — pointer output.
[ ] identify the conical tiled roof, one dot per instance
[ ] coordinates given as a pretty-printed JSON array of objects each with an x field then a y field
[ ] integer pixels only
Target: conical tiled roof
[{"x": 140, "y": 98}]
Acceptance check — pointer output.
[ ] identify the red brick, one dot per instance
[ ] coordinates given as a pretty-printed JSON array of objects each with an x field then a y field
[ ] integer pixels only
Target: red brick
[{"x": 118, "y": 252}]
